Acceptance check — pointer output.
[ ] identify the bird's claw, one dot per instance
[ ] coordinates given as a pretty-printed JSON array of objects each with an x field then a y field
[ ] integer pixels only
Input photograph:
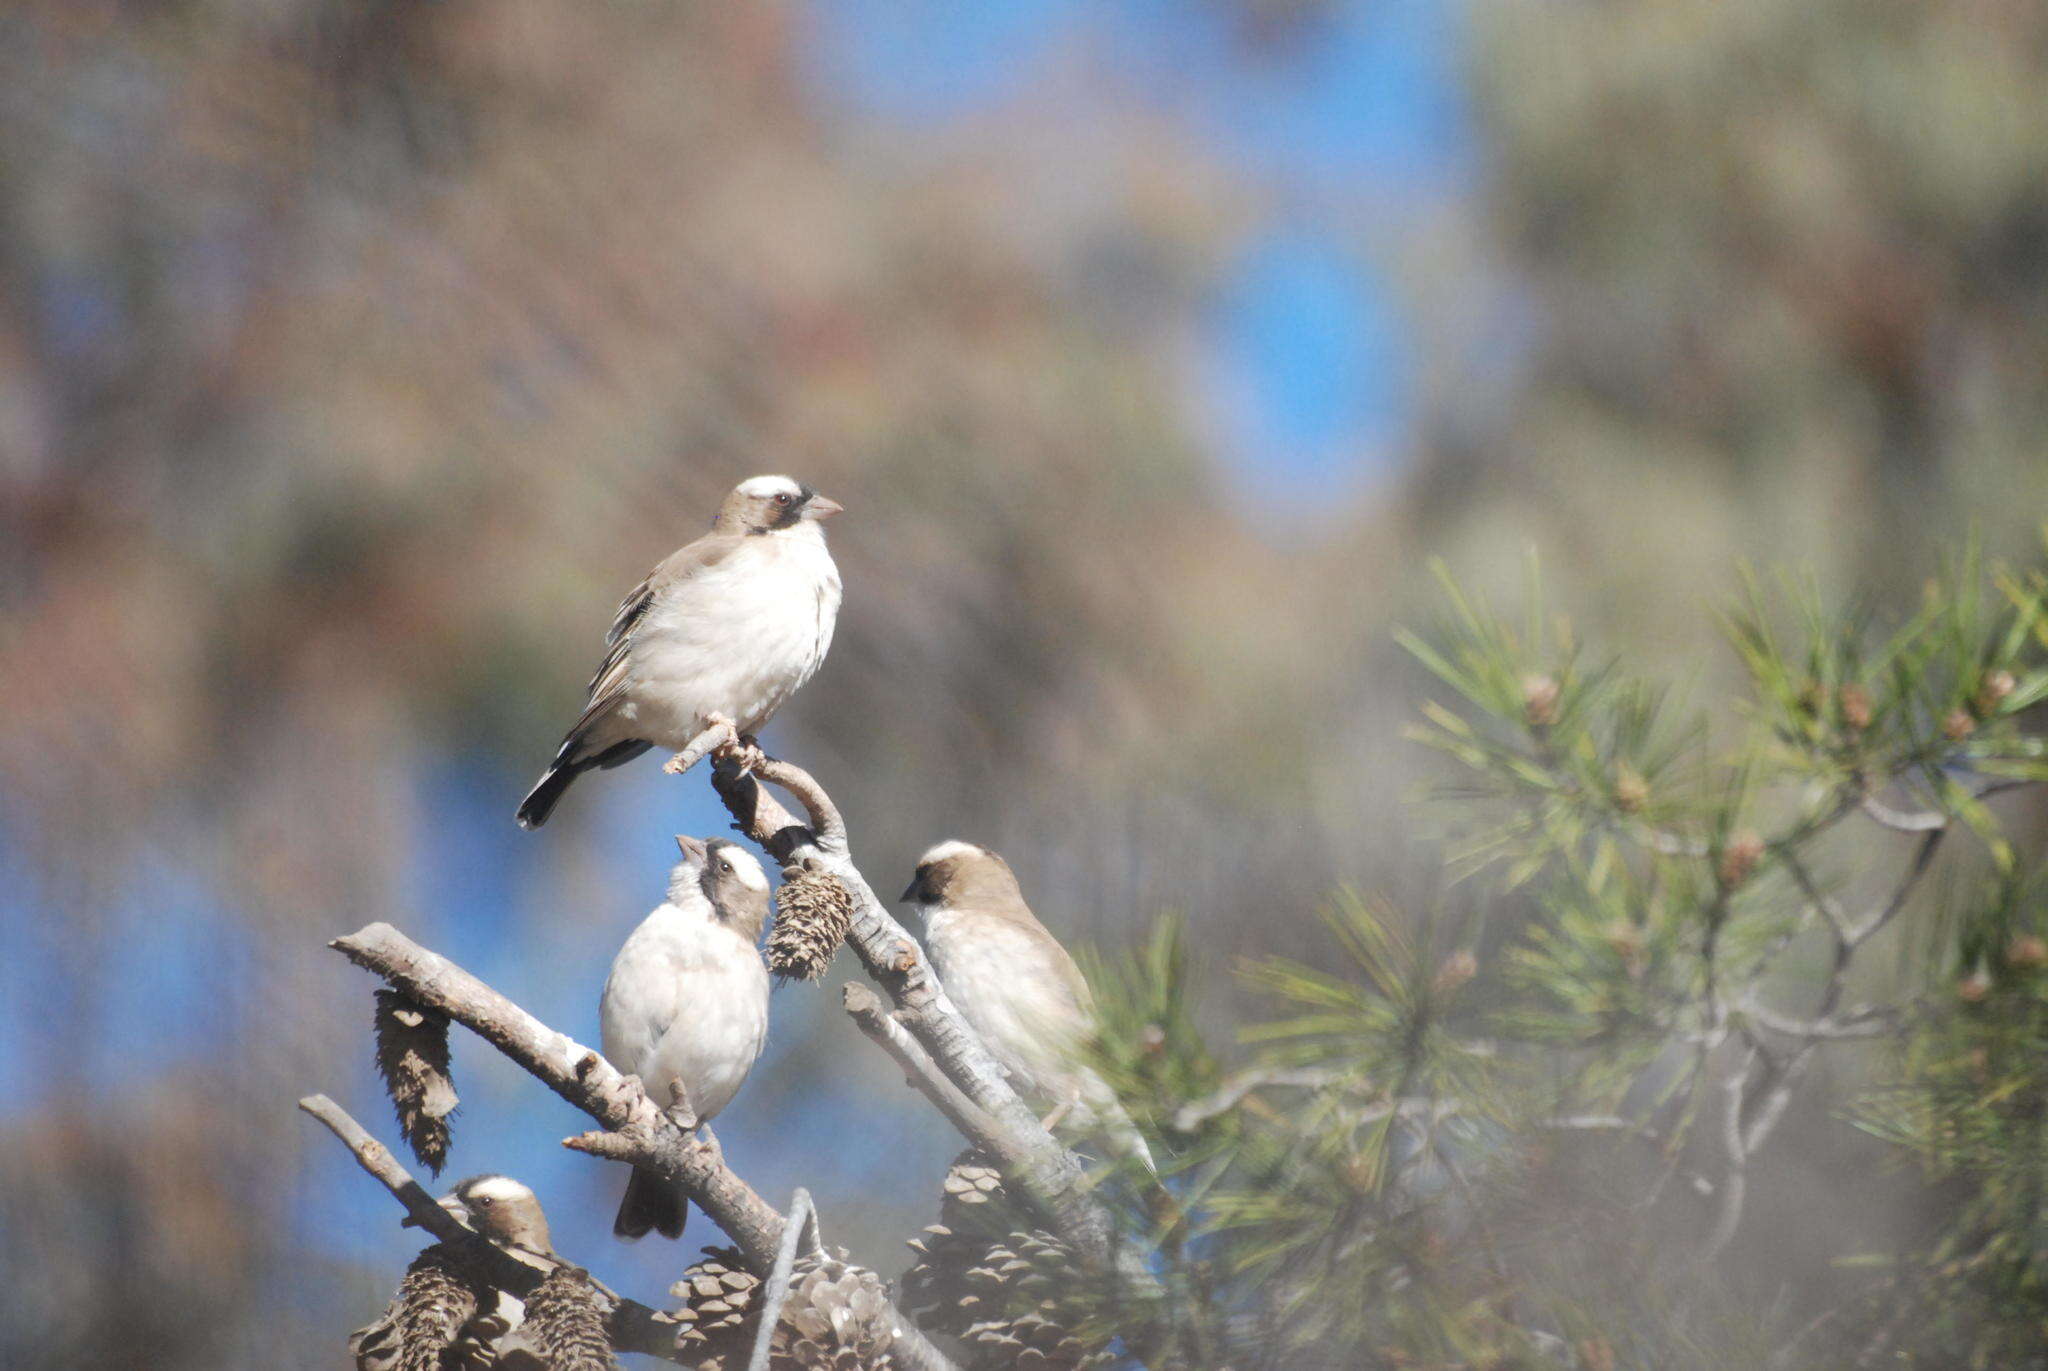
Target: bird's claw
[
  {"x": 743, "y": 753},
  {"x": 696, "y": 752},
  {"x": 680, "y": 1111}
]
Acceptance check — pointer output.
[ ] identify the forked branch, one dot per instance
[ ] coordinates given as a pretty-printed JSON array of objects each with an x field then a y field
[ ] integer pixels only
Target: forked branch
[
  {"x": 636, "y": 1130},
  {"x": 633, "y": 1327},
  {"x": 1005, "y": 1127}
]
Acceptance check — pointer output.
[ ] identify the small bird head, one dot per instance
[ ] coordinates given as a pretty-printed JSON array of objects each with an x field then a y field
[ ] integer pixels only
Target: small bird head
[
  {"x": 766, "y": 504},
  {"x": 959, "y": 875},
  {"x": 729, "y": 876},
  {"x": 502, "y": 1209}
]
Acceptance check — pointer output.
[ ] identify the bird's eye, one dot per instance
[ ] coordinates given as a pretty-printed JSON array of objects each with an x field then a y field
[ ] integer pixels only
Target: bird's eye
[
  {"x": 725, "y": 866},
  {"x": 485, "y": 1201},
  {"x": 782, "y": 497}
]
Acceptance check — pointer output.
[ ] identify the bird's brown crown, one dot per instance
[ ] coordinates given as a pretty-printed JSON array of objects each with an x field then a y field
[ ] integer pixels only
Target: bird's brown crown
[
  {"x": 503, "y": 1210},
  {"x": 959, "y": 875}
]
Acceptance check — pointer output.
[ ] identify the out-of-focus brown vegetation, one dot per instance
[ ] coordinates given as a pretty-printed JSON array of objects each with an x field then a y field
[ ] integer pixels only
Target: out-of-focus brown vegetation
[{"x": 354, "y": 358}]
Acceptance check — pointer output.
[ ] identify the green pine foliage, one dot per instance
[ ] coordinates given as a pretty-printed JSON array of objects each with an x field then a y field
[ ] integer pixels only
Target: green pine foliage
[{"x": 1565, "y": 1126}]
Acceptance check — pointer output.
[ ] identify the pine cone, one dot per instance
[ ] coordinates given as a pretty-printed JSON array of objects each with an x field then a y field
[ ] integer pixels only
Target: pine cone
[
  {"x": 987, "y": 1279},
  {"x": 412, "y": 1057},
  {"x": 812, "y": 913},
  {"x": 713, "y": 1330},
  {"x": 435, "y": 1301},
  {"x": 835, "y": 1319},
  {"x": 972, "y": 1180},
  {"x": 564, "y": 1328}
]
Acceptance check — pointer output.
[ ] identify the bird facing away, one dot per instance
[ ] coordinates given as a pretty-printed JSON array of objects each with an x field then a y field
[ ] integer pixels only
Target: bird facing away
[
  {"x": 1016, "y": 985},
  {"x": 687, "y": 1000},
  {"x": 727, "y": 628}
]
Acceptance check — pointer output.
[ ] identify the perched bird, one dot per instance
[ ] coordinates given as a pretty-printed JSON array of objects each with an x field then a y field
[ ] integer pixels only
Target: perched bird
[
  {"x": 1017, "y": 986},
  {"x": 725, "y": 629},
  {"x": 448, "y": 1315},
  {"x": 503, "y": 1210},
  {"x": 687, "y": 1000}
]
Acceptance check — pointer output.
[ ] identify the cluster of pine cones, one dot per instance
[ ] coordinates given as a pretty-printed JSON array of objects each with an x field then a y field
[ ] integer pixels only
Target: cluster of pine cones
[
  {"x": 835, "y": 1318},
  {"x": 980, "y": 1276},
  {"x": 1007, "y": 1291},
  {"x": 448, "y": 1316}
]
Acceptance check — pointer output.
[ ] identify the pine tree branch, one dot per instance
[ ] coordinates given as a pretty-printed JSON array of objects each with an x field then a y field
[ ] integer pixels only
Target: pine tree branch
[
  {"x": 637, "y": 1131},
  {"x": 645, "y": 1135},
  {"x": 873, "y": 1018},
  {"x": 632, "y": 1326},
  {"x": 1046, "y": 1172},
  {"x": 1231, "y": 1093},
  {"x": 1734, "y": 1185},
  {"x": 802, "y": 1218}
]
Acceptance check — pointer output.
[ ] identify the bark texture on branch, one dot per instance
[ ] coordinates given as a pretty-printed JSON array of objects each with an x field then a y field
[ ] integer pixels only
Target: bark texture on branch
[
  {"x": 873, "y": 1018},
  {"x": 632, "y": 1327},
  {"x": 637, "y": 1131},
  {"x": 640, "y": 1132},
  {"x": 1035, "y": 1161}
]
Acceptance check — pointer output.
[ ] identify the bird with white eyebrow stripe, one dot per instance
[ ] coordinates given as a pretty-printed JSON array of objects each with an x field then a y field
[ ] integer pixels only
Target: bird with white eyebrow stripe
[
  {"x": 687, "y": 1000},
  {"x": 502, "y": 1209},
  {"x": 1019, "y": 988},
  {"x": 726, "y": 629},
  {"x": 449, "y": 1311}
]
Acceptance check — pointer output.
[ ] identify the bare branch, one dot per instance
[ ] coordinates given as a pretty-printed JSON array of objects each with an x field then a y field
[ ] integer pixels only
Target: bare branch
[
  {"x": 801, "y": 1217},
  {"x": 718, "y": 736},
  {"x": 1735, "y": 1178},
  {"x": 1828, "y": 908},
  {"x": 650, "y": 1139},
  {"x": 873, "y": 1019},
  {"x": 1860, "y": 1026},
  {"x": 1903, "y": 820},
  {"x": 632, "y": 1327},
  {"x": 639, "y": 1132},
  {"x": 1231, "y": 1093},
  {"x": 1024, "y": 1151},
  {"x": 1923, "y": 857},
  {"x": 1768, "y": 1114}
]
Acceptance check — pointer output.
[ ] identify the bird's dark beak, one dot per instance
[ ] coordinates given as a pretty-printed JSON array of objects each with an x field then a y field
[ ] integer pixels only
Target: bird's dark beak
[
  {"x": 694, "y": 849},
  {"x": 910, "y": 891},
  {"x": 821, "y": 507}
]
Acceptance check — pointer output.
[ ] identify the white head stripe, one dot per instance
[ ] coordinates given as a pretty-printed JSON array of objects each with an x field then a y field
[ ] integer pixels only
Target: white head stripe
[
  {"x": 952, "y": 847},
  {"x": 745, "y": 866},
  {"x": 755, "y": 486},
  {"x": 499, "y": 1188}
]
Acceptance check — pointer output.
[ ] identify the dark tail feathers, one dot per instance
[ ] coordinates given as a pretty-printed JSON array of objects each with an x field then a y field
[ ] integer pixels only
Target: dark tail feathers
[
  {"x": 542, "y": 799},
  {"x": 649, "y": 1203}
]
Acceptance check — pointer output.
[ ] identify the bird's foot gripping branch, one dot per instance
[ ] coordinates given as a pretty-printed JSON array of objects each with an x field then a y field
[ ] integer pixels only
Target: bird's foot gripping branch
[{"x": 918, "y": 1027}]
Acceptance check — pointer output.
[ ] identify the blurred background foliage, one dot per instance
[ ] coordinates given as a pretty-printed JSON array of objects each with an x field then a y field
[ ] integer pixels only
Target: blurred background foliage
[{"x": 355, "y": 358}]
